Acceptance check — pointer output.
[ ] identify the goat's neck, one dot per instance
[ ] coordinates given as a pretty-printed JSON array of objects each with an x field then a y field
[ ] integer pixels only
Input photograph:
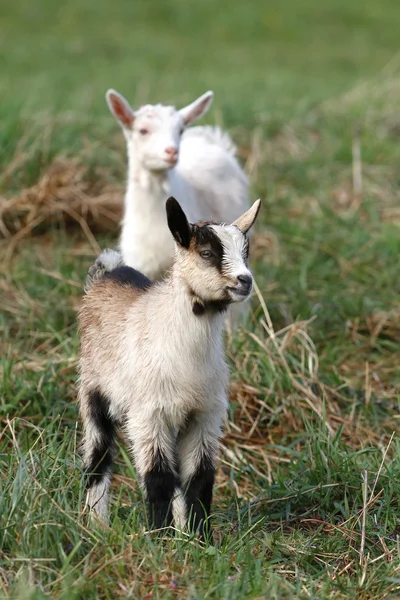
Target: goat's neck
[
  {"x": 152, "y": 186},
  {"x": 208, "y": 316}
]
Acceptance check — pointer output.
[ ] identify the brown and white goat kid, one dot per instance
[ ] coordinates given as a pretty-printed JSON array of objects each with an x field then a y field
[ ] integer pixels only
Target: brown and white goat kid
[{"x": 152, "y": 362}]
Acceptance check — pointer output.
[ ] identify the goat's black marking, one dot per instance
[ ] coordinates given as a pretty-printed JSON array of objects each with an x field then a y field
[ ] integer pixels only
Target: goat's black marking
[
  {"x": 198, "y": 497},
  {"x": 205, "y": 238},
  {"x": 200, "y": 307},
  {"x": 101, "y": 458},
  {"x": 129, "y": 276},
  {"x": 160, "y": 483}
]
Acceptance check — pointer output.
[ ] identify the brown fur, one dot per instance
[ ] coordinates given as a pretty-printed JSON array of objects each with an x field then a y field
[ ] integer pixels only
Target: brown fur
[
  {"x": 105, "y": 304},
  {"x": 102, "y": 314}
]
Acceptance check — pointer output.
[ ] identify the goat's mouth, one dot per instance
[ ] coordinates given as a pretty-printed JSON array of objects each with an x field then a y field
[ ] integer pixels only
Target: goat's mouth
[
  {"x": 162, "y": 164},
  {"x": 238, "y": 294}
]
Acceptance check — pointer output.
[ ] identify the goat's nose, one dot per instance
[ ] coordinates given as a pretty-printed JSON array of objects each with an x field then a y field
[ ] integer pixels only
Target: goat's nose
[
  {"x": 171, "y": 151},
  {"x": 245, "y": 281}
]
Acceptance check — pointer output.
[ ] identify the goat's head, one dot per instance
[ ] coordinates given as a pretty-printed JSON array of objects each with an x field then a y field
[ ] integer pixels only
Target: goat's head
[
  {"x": 212, "y": 259},
  {"x": 153, "y": 133}
]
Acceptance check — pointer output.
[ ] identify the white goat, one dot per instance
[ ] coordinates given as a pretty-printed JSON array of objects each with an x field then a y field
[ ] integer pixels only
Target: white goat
[
  {"x": 152, "y": 361},
  {"x": 197, "y": 166}
]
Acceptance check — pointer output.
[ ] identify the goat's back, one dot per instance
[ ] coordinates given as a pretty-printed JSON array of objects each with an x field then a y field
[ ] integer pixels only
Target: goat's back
[
  {"x": 209, "y": 164},
  {"x": 129, "y": 276}
]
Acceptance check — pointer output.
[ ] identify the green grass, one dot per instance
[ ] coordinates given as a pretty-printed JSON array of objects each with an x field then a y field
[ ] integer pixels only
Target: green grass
[{"x": 306, "y": 502}]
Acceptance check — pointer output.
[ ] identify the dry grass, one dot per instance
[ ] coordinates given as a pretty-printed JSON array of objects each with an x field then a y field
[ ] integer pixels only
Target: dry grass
[{"x": 67, "y": 192}]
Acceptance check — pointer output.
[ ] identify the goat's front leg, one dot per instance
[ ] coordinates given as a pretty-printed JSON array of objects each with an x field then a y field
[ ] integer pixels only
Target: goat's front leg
[
  {"x": 197, "y": 452},
  {"x": 153, "y": 448}
]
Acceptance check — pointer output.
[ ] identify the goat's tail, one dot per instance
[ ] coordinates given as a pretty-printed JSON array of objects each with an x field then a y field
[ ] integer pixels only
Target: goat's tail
[
  {"x": 106, "y": 262},
  {"x": 213, "y": 135}
]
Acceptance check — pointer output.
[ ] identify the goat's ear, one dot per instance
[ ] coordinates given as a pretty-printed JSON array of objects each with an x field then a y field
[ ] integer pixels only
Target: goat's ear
[
  {"x": 196, "y": 109},
  {"x": 178, "y": 223},
  {"x": 246, "y": 220},
  {"x": 120, "y": 108}
]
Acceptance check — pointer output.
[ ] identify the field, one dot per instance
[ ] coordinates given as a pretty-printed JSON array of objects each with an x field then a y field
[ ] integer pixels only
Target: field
[{"x": 307, "y": 497}]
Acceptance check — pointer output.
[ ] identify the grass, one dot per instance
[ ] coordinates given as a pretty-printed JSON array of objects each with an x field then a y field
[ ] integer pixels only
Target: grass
[{"x": 306, "y": 501}]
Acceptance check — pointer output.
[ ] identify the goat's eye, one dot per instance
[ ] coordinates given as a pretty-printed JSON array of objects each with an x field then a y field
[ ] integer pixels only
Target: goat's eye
[
  {"x": 143, "y": 131},
  {"x": 206, "y": 254}
]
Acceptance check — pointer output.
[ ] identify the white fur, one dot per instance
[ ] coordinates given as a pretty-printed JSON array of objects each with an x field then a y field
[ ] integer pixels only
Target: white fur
[
  {"x": 206, "y": 179},
  {"x": 107, "y": 261},
  {"x": 183, "y": 349},
  {"x": 97, "y": 499},
  {"x": 234, "y": 244}
]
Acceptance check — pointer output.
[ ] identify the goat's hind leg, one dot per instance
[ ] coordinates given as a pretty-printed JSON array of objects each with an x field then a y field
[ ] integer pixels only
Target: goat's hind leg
[{"x": 98, "y": 451}]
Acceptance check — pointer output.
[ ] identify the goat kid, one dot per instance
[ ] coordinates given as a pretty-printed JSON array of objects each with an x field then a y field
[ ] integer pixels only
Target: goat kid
[
  {"x": 195, "y": 165},
  {"x": 152, "y": 362}
]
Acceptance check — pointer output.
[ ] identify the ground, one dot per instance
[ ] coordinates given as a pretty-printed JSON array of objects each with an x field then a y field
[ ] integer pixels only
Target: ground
[{"x": 306, "y": 502}]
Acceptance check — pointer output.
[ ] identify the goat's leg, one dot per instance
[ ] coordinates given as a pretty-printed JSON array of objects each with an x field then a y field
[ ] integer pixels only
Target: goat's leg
[
  {"x": 98, "y": 450},
  {"x": 197, "y": 451},
  {"x": 153, "y": 449}
]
